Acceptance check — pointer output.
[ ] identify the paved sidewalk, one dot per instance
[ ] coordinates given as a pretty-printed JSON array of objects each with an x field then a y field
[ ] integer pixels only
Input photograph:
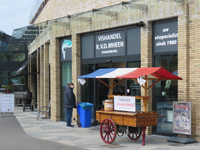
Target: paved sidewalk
[{"x": 89, "y": 138}]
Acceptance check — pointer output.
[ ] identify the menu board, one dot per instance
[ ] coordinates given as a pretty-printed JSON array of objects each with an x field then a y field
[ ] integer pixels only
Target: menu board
[
  {"x": 124, "y": 103},
  {"x": 7, "y": 103},
  {"x": 182, "y": 117}
]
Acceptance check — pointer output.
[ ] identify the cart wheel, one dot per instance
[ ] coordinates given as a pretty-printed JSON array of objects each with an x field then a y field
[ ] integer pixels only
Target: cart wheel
[
  {"x": 137, "y": 133},
  {"x": 108, "y": 130}
]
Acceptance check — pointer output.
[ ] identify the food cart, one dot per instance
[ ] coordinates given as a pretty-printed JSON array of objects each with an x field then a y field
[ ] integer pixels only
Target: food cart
[{"x": 134, "y": 124}]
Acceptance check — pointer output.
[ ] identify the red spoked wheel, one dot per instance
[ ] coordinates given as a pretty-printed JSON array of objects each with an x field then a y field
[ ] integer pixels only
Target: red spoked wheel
[
  {"x": 108, "y": 130},
  {"x": 135, "y": 134}
]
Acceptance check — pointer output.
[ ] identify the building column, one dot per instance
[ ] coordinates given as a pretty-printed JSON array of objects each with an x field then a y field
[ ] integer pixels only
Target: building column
[
  {"x": 55, "y": 79},
  {"x": 38, "y": 80},
  {"x": 29, "y": 77},
  {"x": 41, "y": 76},
  {"x": 183, "y": 56},
  {"x": 76, "y": 70},
  {"x": 32, "y": 82},
  {"x": 146, "y": 61},
  {"x": 188, "y": 63},
  {"x": 195, "y": 73},
  {"x": 46, "y": 75}
]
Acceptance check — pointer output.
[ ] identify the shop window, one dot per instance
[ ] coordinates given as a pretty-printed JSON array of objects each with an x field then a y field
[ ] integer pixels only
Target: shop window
[{"x": 66, "y": 78}]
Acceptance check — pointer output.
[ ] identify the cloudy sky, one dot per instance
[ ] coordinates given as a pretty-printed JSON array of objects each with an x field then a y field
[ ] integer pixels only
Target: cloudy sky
[{"x": 14, "y": 14}]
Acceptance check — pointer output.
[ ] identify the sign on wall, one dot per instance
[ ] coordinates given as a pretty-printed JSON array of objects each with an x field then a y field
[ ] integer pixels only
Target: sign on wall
[
  {"x": 110, "y": 43},
  {"x": 66, "y": 49},
  {"x": 7, "y": 103},
  {"x": 87, "y": 46},
  {"x": 165, "y": 36},
  {"x": 124, "y": 103},
  {"x": 182, "y": 117}
]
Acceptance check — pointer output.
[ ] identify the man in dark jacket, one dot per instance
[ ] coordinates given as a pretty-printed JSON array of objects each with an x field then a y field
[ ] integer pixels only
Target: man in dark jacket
[{"x": 69, "y": 103}]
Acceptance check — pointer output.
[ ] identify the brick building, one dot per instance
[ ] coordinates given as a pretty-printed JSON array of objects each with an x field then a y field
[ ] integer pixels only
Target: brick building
[{"x": 152, "y": 33}]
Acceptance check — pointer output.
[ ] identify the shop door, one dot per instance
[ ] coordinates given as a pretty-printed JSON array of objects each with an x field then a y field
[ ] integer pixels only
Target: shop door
[
  {"x": 164, "y": 93},
  {"x": 102, "y": 93}
]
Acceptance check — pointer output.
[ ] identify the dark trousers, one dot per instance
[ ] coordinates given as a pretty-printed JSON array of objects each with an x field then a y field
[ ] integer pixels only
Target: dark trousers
[{"x": 68, "y": 115}]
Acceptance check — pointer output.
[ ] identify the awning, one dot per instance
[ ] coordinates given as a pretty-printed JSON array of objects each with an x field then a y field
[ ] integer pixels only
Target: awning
[
  {"x": 148, "y": 73},
  {"x": 24, "y": 64},
  {"x": 153, "y": 73}
]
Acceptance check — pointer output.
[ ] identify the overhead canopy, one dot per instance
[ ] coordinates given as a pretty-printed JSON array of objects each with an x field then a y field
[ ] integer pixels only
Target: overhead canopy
[
  {"x": 152, "y": 73},
  {"x": 24, "y": 65}
]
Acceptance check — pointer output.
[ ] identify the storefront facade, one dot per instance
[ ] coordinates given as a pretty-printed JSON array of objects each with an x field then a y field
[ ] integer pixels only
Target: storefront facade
[
  {"x": 115, "y": 48},
  {"x": 168, "y": 38}
]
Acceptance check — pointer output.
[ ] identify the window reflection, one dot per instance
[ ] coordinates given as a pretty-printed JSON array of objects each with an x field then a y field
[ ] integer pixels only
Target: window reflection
[
  {"x": 9, "y": 56},
  {"x": 7, "y": 81}
]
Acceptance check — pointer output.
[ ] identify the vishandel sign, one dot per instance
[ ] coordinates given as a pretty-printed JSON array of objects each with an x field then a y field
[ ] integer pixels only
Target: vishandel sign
[
  {"x": 166, "y": 36},
  {"x": 110, "y": 44}
]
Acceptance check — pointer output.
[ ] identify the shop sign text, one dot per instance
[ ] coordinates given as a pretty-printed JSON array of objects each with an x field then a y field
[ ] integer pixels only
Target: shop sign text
[
  {"x": 7, "y": 102},
  {"x": 165, "y": 36},
  {"x": 110, "y": 44}
]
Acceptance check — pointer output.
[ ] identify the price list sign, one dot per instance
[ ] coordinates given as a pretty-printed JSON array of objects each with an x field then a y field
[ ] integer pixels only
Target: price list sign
[{"x": 7, "y": 102}]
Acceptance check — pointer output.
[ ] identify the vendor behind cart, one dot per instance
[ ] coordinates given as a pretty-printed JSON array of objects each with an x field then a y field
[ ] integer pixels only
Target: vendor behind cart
[{"x": 117, "y": 89}]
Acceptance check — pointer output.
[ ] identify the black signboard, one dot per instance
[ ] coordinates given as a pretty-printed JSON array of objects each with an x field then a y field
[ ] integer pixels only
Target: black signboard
[
  {"x": 165, "y": 36},
  {"x": 133, "y": 41},
  {"x": 87, "y": 46},
  {"x": 66, "y": 49},
  {"x": 110, "y": 43}
]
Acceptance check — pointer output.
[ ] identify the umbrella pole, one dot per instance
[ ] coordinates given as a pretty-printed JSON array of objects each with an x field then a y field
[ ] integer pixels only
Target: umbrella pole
[
  {"x": 111, "y": 87},
  {"x": 145, "y": 99}
]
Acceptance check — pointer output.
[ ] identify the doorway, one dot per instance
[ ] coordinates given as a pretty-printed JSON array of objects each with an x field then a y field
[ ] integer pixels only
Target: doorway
[
  {"x": 93, "y": 90},
  {"x": 102, "y": 90}
]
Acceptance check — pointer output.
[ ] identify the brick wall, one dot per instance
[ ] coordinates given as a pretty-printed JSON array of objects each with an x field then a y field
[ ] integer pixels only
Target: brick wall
[
  {"x": 189, "y": 63},
  {"x": 60, "y": 8}
]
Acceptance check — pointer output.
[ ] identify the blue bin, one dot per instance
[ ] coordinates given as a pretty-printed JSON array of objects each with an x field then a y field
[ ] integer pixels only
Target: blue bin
[{"x": 84, "y": 111}]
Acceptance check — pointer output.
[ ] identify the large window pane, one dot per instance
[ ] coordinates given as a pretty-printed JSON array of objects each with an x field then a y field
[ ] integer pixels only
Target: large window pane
[
  {"x": 66, "y": 78},
  {"x": 165, "y": 92}
]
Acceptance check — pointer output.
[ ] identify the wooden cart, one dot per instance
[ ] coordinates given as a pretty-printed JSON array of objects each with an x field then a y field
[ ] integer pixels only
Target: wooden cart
[
  {"x": 133, "y": 123},
  {"x": 118, "y": 122}
]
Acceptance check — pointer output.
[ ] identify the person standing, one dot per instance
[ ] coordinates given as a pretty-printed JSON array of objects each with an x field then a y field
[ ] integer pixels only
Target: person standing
[
  {"x": 69, "y": 103},
  {"x": 117, "y": 89}
]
